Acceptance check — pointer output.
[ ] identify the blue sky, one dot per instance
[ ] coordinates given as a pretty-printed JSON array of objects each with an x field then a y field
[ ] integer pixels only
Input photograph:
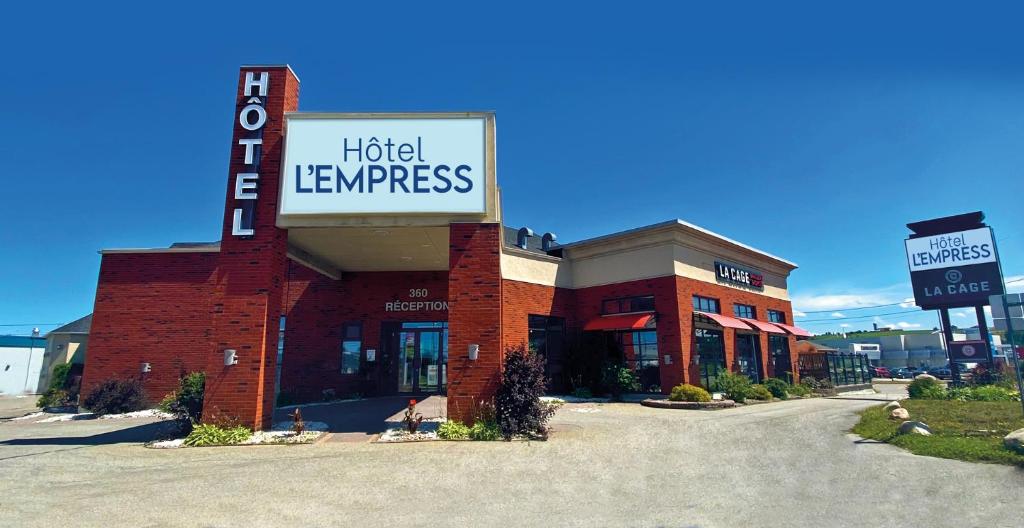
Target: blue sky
[{"x": 811, "y": 132}]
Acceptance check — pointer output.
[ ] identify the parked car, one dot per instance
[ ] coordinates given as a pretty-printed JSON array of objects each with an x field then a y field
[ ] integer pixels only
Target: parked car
[
  {"x": 942, "y": 373},
  {"x": 880, "y": 372},
  {"x": 903, "y": 373}
]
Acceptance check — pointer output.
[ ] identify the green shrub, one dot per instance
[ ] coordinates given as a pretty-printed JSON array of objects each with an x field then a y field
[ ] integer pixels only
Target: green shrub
[
  {"x": 583, "y": 392},
  {"x": 115, "y": 397},
  {"x": 453, "y": 430},
  {"x": 779, "y": 388},
  {"x": 517, "y": 401},
  {"x": 203, "y": 435},
  {"x": 799, "y": 390},
  {"x": 733, "y": 386},
  {"x": 619, "y": 380},
  {"x": 689, "y": 393},
  {"x": 60, "y": 380},
  {"x": 487, "y": 431},
  {"x": 187, "y": 401},
  {"x": 53, "y": 398},
  {"x": 759, "y": 392},
  {"x": 926, "y": 389},
  {"x": 995, "y": 393},
  {"x": 809, "y": 382}
]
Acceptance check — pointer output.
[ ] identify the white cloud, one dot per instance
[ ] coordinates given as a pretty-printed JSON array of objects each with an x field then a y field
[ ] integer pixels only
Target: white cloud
[
  {"x": 822, "y": 301},
  {"x": 838, "y": 314},
  {"x": 1014, "y": 283},
  {"x": 961, "y": 314},
  {"x": 908, "y": 303},
  {"x": 904, "y": 324},
  {"x": 798, "y": 313},
  {"x": 844, "y": 325}
]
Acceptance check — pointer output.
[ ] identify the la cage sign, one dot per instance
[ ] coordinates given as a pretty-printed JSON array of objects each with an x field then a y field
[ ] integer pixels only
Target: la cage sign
[
  {"x": 734, "y": 274},
  {"x": 365, "y": 165}
]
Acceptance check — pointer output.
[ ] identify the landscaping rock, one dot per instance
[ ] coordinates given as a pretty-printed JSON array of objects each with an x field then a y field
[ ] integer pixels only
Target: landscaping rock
[
  {"x": 1015, "y": 441},
  {"x": 926, "y": 376},
  {"x": 910, "y": 427},
  {"x": 892, "y": 405},
  {"x": 899, "y": 413}
]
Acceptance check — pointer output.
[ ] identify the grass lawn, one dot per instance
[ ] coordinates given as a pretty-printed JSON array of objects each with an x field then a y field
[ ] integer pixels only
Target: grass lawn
[{"x": 971, "y": 431}]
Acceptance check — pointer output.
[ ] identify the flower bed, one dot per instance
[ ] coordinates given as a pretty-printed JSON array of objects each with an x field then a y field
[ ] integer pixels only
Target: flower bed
[
  {"x": 692, "y": 405},
  {"x": 280, "y": 433}
]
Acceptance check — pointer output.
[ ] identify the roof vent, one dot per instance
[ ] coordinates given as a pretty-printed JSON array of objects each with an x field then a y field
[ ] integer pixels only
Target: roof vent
[
  {"x": 547, "y": 241},
  {"x": 524, "y": 233}
]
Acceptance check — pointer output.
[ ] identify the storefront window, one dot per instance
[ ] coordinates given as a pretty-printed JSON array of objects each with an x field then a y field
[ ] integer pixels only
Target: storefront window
[
  {"x": 351, "y": 348},
  {"x": 547, "y": 338},
  {"x": 628, "y": 305},
  {"x": 640, "y": 351},
  {"x": 744, "y": 310},
  {"x": 782, "y": 367},
  {"x": 706, "y": 304},
  {"x": 775, "y": 316},
  {"x": 711, "y": 352}
]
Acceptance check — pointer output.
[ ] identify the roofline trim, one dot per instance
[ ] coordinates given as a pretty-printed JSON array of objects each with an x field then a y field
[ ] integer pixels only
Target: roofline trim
[
  {"x": 676, "y": 223},
  {"x": 195, "y": 249}
]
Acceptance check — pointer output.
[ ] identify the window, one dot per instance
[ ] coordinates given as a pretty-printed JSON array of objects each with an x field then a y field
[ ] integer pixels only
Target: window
[
  {"x": 547, "y": 338},
  {"x": 280, "y": 354},
  {"x": 628, "y": 305},
  {"x": 640, "y": 351},
  {"x": 705, "y": 304},
  {"x": 744, "y": 310},
  {"x": 782, "y": 367},
  {"x": 351, "y": 348},
  {"x": 776, "y": 316},
  {"x": 711, "y": 352}
]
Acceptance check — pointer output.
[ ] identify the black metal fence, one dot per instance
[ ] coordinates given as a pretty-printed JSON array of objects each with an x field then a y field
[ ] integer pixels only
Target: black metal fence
[
  {"x": 848, "y": 369},
  {"x": 841, "y": 369}
]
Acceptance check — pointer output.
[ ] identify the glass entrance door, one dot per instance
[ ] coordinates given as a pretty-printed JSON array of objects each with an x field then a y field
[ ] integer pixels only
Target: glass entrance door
[{"x": 422, "y": 357}]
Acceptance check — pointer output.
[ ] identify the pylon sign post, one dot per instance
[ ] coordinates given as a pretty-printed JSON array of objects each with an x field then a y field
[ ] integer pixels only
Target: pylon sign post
[{"x": 954, "y": 263}]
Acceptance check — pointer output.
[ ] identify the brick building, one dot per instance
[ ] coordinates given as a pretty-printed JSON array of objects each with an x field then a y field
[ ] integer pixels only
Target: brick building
[{"x": 322, "y": 284}]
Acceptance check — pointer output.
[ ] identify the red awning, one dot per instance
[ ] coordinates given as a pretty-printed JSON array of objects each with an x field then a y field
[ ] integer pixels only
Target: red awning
[
  {"x": 621, "y": 322},
  {"x": 762, "y": 326},
  {"x": 724, "y": 320},
  {"x": 795, "y": 330}
]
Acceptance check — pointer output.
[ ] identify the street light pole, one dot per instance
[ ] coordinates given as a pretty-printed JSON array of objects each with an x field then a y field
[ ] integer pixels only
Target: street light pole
[{"x": 1013, "y": 349}]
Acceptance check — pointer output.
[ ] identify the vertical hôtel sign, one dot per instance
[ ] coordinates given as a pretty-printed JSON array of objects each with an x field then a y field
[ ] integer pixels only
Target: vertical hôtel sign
[{"x": 252, "y": 118}]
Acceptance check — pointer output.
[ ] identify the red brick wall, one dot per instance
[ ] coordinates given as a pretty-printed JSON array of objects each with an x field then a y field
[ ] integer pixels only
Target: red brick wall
[
  {"x": 317, "y": 307},
  {"x": 154, "y": 308},
  {"x": 474, "y": 317},
  {"x": 670, "y": 332},
  {"x": 522, "y": 299},
  {"x": 728, "y": 296},
  {"x": 251, "y": 272}
]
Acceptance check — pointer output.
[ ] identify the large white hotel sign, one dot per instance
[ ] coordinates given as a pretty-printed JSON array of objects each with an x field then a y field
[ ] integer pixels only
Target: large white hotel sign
[{"x": 337, "y": 164}]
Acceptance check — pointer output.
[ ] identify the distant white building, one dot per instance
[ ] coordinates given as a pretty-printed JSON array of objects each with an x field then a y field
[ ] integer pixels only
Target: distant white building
[
  {"x": 21, "y": 359},
  {"x": 904, "y": 349}
]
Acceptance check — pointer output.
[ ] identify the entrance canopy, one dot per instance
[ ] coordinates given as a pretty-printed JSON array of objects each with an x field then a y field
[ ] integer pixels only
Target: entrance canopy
[
  {"x": 723, "y": 320},
  {"x": 345, "y": 249},
  {"x": 640, "y": 321}
]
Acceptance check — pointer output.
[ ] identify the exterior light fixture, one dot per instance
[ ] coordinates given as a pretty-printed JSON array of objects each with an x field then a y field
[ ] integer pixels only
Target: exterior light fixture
[
  {"x": 696, "y": 359},
  {"x": 474, "y": 352},
  {"x": 668, "y": 359},
  {"x": 230, "y": 357},
  {"x": 146, "y": 367}
]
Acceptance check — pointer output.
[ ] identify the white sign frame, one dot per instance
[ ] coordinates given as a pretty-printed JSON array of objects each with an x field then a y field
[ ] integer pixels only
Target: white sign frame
[
  {"x": 399, "y": 208},
  {"x": 950, "y": 248}
]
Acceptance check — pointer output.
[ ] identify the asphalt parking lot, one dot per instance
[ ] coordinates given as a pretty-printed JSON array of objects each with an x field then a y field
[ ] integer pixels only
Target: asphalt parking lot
[{"x": 787, "y": 464}]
